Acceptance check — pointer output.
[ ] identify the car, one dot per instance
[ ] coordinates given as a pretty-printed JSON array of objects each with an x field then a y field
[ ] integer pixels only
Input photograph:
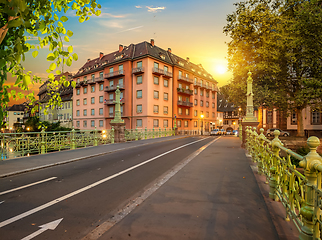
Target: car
[
  {"x": 235, "y": 132},
  {"x": 214, "y": 132},
  {"x": 222, "y": 131},
  {"x": 270, "y": 132},
  {"x": 229, "y": 132}
]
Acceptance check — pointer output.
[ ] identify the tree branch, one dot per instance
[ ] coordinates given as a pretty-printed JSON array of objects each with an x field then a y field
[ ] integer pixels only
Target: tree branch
[{"x": 4, "y": 29}]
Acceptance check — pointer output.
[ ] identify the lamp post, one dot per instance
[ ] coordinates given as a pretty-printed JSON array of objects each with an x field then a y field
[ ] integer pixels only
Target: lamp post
[{"x": 201, "y": 125}]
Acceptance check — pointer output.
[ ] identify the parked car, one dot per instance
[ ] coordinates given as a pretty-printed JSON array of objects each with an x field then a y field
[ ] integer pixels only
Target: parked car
[
  {"x": 270, "y": 132},
  {"x": 214, "y": 132},
  {"x": 229, "y": 132},
  {"x": 222, "y": 131},
  {"x": 235, "y": 132}
]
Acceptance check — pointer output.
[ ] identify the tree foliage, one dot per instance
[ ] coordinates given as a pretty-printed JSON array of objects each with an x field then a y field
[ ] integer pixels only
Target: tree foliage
[
  {"x": 279, "y": 41},
  {"x": 43, "y": 20}
]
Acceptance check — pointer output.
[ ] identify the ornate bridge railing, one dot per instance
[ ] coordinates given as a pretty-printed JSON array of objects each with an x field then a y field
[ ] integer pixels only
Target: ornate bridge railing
[
  {"x": 139, "y": 134},
  {"x": 300, "y": 194}
]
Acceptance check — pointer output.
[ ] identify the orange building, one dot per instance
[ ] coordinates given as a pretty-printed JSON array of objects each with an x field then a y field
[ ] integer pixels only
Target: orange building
[{"x": 157, "y": 87}]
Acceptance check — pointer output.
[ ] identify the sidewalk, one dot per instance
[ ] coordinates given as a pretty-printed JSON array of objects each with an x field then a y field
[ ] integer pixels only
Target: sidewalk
[
  {"x": 34, "y": 162},
  {"x": 215, "y": 196}
]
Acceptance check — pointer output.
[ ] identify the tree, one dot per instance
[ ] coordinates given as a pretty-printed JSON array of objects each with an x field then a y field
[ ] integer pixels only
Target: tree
[
  {"x": 21, "y": 19},
  {"x": 280, "y": 42}
]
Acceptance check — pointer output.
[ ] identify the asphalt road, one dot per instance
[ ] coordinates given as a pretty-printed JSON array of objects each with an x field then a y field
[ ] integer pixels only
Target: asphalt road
[{"x": 81, "y": 195}]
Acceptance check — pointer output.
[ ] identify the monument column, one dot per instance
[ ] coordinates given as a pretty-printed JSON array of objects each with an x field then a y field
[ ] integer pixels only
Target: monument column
[
  {"x": 118, "y": 122},
  {"x": 249, "y": 119}
]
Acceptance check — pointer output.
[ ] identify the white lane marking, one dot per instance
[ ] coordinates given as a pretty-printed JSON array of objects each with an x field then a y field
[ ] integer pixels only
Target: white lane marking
[
  {"x": 2, "y": 202},
  {"x": 29, "y": 185},
  {"x": 57, "y": 200},
  {"x": 51, "y": 225}
]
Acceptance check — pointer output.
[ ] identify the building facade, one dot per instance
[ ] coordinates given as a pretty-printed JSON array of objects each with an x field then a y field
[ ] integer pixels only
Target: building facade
[
  {"x": 14, "y": 118},
  {"x": 158, "y": 90},
  {"x": 62, "y": 114}
]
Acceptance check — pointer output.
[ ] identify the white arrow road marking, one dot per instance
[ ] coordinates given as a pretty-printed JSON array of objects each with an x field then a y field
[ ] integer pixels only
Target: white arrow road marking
[
  {"x": 57, "y": 200},
  {"x": 51, "y": 225},
  {"x": 29, "y": 185},
  {"x": 2, "y": 202}
]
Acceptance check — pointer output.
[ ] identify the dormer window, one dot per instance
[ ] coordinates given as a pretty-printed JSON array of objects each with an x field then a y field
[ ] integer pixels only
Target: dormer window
[{"x": 181, "y": 64}]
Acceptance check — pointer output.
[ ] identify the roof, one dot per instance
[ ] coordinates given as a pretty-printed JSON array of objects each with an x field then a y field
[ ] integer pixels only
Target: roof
[
  {"x": 223, "y": 105},
  {"x": 17, "y": 107},
  {"x": 140, "y": 50}
]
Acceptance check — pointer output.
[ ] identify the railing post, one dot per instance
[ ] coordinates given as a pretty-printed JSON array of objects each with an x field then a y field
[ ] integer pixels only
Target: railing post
[
  {"x": 73, "y": 146},
  {"x": 165, "y": 132},
  {"x": 261, "y": 139},
  {"x": 112, "y": 134},
  {"x": 273, "y": 175},
  {"x": 145, "y": 133},
  {"x": 159, "y": 131},
  {"x": 310, "y": 210},
  {"x": 43, "y": 144},
  {"x": 136, "y": 134},
  {"x": 95, "y": 137},
  {"x": 153, "y": 132}
]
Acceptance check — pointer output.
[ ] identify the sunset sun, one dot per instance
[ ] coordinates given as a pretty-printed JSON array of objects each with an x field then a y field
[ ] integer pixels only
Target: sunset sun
[{"x": 221, "y": 69}]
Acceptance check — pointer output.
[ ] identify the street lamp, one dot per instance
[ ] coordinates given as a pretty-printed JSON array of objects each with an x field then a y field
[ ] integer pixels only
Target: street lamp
[
  {"x": 234, "y": 124},
  {"x": 201, "y": 125}
]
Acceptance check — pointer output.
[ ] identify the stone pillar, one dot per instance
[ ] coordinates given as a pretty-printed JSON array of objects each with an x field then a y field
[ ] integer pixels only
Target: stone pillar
[
  {"x": 118, "y": 122},
  {"x": 249, "y": 119}
]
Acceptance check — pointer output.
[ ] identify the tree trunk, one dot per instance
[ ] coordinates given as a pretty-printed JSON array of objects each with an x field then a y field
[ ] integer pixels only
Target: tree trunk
[{"x": 300, "y": 130}]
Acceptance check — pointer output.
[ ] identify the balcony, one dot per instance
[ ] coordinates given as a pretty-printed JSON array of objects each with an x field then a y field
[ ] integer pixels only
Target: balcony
[
  {"x": 138, "y": 70},
  {"x": 79, "y": 84},
  {"x": 118, "y": 73},
  {"x": 113, "y": 88},
  {"x": 111, "y": 101},
  {"x": 167, "y": 74},
  {"x": 185, "y": 103},
  {"x": 84, "y": 83},
  {"x": 157, "y": 71},
  {"x": 185, "y": 91},
  {"x": 186, "y": 79},
  {"x": 99, "y": 79},
  {"x": 91, "y": 81}
]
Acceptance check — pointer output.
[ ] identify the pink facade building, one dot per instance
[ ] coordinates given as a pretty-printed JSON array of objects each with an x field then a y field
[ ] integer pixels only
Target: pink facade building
[{"x": 157, "y": 87}]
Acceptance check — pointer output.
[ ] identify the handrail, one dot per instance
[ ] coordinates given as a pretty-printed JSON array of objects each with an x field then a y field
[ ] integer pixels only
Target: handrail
[{"x": 301, "y": 195}]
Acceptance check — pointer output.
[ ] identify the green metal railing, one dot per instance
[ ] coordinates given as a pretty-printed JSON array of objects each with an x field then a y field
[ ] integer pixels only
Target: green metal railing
[
  {"x": 300, "y": 194},
  {"x": 139, "y": 134}
]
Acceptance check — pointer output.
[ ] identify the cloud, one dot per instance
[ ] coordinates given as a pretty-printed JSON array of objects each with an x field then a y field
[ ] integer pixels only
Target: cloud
[
  {"x": 130, "y": 29},
  {"x": 138, "y": 6},
  {"x": 154, "y": 9},
  {"x": 109, "y": 15},
  {"x": 110, "y": 24}
]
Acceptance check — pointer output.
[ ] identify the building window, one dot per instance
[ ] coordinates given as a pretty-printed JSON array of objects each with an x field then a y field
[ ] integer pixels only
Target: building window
[
  {"x": 213, "y": 105},
  {"x": 165, "y": 68},
  {"x": 185, "y": 123},
  {"x": 156, "y": 108},
  {"x": 156, "y": 80},
  {"x": 201, "y": 103},
  {"x": 201, "y": 92},
  {"x": 207, "y": 114},
  {"x": 139, "y": 94},
  {"x": 269, "y": 117},
  {"x": 156, "y": 65},
  {"x": 195, "y": 113},
  {"x": 139, "y": 79},
  {"x": 120, "y": 67},
  {"x": 165, "y": 96},
  {"x": 187, "y": 111},
  {"x": 139, "y": 108},
  {"x": 101, "y": 123},
  {"x": 77, "y": 81},
  {"x": 93, "y": 77},
  {"x": 77, "y": 113},
  {"x": 207, "y": 94},
  {"x": 179, "y": 123},
  {"x": 155, "y": 122},
  {"x": 207, "y": 104},
  {"x": 101, "y": 111},
  {"x": 165, "y": 109},
  {"x": 165, "y": 123},
  {"x": 85, "y": 112},
  {"x": 77, "y": 102},
  {"x": 92, "y": 100},
  {"x": 101, "y": 76},
  {"x": 111, "y": 69},
  {"x": 293, "y": 118},
  {"x": 85, "y": 101},
  {"x": 77, "y": 91},
  {"x": 139, "y": 64},
  {"x": 92, "y": 123},
  {"x": 77, "y": 123},
  {"x": 196, "y": 102},
  {"x": 180, "y": 73},
  {"x": 85, "y": 90},
  {"x": 139, "y": 122},
  {"x": 101, "y": 87},
  {"x": 121, "y": 82},
  {"x": 195, "y": 124},
  {"x": 156, "y": 94},
  {"x": 92, "y": 111},
  {"x": 85, "y": 79},
  {"x": 111, "y": 83},
  {"x": 315, "y": 117},
  {"x": 111, "y": 111},
  {"x": 100, "y": 99},
  {"x": 180, "y": 98},
  {"x": 111, "y": 96},
  {"x": 180, "y": 111},
  {"x": 213, "y": 95},
  {"x": 165, "y": 82},
  {"x": 84, "y": 123}
]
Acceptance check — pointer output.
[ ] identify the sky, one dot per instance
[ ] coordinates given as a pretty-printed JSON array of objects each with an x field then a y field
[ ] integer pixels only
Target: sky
[{"x": 190, "y": 28}]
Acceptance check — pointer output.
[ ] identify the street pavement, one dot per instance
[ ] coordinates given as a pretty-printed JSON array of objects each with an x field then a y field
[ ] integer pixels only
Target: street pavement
[{"x": 215, "y": 196}]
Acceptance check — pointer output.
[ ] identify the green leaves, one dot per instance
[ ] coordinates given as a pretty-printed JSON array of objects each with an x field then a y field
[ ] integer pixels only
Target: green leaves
[
  {"x": 69, "y": 33},
  {"x": 64, "y": 19},
  {"x": 14, "y": 23},
  {"x": 75, "y": 57},
  {"x": 51, "y": 57},
  {"x": 81, "y": 19},
  {"x": 52, "y": 67},
  {"x": 70, "y": 49},
  {"x": 34, "y": 53}
]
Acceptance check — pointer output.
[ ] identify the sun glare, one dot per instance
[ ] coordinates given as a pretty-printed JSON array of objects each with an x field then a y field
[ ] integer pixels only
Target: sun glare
[{"x": 221, "y": 69}]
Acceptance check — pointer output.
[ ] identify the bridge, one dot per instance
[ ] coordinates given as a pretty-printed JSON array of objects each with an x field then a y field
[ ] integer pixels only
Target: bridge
[{"x": 167, "y": 187}]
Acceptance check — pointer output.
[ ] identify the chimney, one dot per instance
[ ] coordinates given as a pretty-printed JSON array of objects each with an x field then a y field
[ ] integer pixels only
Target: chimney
[
  {"x": 169, "y": 50},
  {"x": 101, "y": 55},
  {"x": 199, "y": 65},
  {"x": 188, "y": 59},
  {"x": 120, "y": 48},
  {"x": 88, "y": 59},
  {"x": 152, "y": 42}
]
